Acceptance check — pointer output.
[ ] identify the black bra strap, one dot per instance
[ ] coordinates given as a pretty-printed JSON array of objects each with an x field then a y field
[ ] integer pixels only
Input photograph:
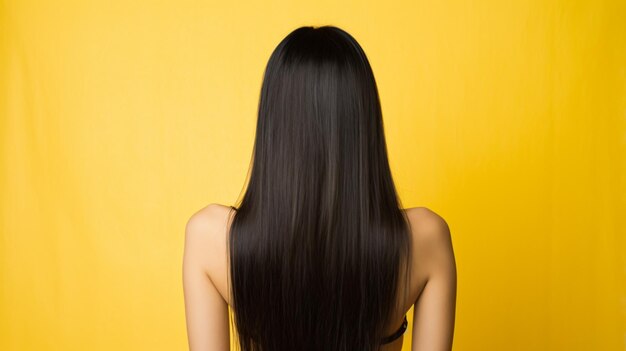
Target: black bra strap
[{"x": 398, "y": 332}]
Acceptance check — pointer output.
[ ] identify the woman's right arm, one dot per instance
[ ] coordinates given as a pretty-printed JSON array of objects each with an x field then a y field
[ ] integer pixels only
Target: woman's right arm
[{"x": 434, "y": 310}]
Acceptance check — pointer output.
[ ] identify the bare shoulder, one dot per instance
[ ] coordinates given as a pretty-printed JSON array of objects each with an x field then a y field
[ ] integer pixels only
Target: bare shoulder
[
  {"x": 435, "y": 306},
  {"x": 205, "y": 234},
  {"x": 206, "y": 222},
  {"x": 206, "y": 305},
  {"x": 428, "y": 225},
  {"x": 431, "y": 236},
  {"x": 425, "y": 215}
]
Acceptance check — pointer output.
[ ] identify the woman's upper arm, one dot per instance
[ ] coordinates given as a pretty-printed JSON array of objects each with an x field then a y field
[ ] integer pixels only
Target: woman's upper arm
[
  {"x": 206, "y": 312},
  {"x": 434, "y": 310}
]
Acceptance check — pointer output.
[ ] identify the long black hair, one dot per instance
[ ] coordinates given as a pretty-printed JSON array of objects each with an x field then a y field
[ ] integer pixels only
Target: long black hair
[{"x": 319, "y": 240}]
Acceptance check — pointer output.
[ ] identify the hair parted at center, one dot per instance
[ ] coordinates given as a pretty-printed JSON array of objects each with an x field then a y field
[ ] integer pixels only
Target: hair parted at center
[{"x": 319, "y": 240}]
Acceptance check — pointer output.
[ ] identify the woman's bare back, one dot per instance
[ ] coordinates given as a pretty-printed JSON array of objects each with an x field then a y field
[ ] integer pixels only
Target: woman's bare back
[{"x": 431, "y": 248}]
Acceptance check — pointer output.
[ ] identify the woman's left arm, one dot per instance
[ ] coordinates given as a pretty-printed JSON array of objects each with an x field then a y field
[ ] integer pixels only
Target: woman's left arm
[{"x": 206, "y": 312}]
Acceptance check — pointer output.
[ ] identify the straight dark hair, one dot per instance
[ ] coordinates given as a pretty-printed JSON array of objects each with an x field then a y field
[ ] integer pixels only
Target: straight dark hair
[{"x": 319, "y": 240}]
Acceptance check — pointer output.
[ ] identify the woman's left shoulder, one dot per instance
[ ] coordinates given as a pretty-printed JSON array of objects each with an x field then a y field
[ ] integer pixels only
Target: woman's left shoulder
[
  {"x": 209, "y": 218},
  {"x": 205, "y": 232}
]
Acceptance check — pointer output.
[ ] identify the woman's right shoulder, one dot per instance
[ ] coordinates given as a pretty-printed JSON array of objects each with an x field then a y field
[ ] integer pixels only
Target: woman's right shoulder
[
  {"x": 435, "y": 305},
  {"x": 427, "y": 224},
  {"x": 431, "y": 236}
]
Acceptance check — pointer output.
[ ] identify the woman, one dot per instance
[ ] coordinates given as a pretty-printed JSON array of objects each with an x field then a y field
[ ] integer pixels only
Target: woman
[{"x": 319, "y": 255}]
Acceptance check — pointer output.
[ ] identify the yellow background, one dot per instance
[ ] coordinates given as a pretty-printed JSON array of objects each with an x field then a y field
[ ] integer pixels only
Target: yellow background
[{"x": 120, "y": 119}]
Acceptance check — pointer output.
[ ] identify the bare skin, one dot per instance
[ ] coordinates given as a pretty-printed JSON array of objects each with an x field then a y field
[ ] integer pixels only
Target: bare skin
[{"x": 432, "y": 287}]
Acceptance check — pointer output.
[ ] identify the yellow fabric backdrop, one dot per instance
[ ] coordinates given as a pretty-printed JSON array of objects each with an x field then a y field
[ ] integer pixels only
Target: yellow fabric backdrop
[{"x": 119, "y": 119}]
